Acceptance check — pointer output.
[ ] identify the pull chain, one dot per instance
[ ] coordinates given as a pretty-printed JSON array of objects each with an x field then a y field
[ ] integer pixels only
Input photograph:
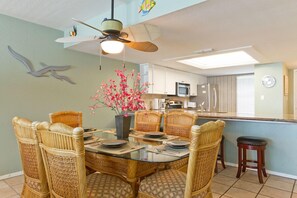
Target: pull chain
[
  {"x": 124, "y": 58},
  {"x": 100, "y": 59}
]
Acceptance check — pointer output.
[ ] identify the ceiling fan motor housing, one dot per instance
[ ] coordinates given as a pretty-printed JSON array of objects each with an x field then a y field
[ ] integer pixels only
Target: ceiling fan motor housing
[{"x": 111, "y": 26}]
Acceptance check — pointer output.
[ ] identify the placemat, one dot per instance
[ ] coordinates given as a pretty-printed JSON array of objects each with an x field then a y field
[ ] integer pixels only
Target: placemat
[
  {"x": 97, "y": 147},
  {"x": 166, "y": 150},
  {"x": 161, "y": 139},
  {"x": 91, "y": 140}
]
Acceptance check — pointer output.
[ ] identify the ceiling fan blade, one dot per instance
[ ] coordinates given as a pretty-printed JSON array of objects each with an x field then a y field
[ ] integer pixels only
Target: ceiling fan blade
[
  {"x": 74, "y": 39},
  {"x": 143, "y": 46},
  {"x": 78, "y": 21}
]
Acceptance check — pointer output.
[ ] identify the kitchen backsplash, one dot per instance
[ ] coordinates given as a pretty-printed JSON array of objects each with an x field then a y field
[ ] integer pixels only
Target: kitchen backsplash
[{"x": 149, "y": 99}]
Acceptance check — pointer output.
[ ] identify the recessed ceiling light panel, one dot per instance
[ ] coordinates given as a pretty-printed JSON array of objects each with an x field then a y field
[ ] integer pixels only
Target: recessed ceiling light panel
[{"x": 229, "y": 59}]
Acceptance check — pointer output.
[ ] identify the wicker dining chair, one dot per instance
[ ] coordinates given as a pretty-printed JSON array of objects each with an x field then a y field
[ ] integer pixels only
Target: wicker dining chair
[
  {"x": 35, "y": 185},
  {"x": 63, "y": 153},
  {"x": 70, "y": 118},
  {"x": 147, "y": 121},
  {"x": 179, "y": 123},
  {"x": 196, "y": 183}
]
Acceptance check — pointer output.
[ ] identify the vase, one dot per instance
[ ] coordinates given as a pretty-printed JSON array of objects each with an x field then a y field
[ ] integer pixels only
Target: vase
[{"x": 122, "y": 126}]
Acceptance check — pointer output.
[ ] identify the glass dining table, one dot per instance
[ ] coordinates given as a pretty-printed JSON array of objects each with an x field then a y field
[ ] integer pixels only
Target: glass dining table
[{"x": 140, "y": 157}]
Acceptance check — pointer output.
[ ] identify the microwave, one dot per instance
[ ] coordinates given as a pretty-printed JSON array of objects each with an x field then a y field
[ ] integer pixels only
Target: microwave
[{"x": 182, "y": 89}]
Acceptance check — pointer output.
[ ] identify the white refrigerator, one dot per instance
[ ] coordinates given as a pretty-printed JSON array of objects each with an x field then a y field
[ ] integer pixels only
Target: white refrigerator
[{"x": 207, "y": 97}]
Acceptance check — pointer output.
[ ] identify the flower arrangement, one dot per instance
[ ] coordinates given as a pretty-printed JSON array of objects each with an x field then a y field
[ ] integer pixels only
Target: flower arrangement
[{"x": 122, "y": 97}]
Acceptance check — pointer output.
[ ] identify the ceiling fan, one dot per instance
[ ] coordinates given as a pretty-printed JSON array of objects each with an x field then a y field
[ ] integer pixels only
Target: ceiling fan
[{"x": 112, "y": 39}]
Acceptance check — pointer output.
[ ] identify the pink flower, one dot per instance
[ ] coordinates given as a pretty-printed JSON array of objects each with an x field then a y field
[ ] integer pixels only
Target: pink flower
[{"x": 122, "y": 98}]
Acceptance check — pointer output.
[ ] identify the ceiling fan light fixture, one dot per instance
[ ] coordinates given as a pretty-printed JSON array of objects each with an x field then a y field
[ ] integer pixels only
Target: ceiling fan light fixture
[{"x": 112, "y": 46}]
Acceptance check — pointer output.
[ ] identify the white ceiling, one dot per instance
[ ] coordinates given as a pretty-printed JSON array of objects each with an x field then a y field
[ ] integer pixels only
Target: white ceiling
[{"x": 269, "y": 26}]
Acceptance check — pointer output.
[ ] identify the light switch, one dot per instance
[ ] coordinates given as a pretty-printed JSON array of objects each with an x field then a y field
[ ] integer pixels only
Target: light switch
[{"x": 262, "y": 97}]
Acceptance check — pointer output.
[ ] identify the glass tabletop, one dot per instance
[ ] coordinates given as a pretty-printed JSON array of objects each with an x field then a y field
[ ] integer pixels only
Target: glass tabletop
[{"x": 149, "y": 151}]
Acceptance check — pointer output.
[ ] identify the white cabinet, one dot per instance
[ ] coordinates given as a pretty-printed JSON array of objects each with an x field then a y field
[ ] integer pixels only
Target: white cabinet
[
  {"x": 163, "y": 80},
  {"x": 159, "y": 80},
  {"x": 171, "y": 82}
]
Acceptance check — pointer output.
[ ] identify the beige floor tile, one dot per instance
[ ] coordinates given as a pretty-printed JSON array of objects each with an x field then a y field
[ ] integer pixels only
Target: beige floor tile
[
  {"x": 240, "y": 193},
  {"x": 283, "y": 179},
  {"x": 249, "y": 186},
  {"x": 294, "y": 195},
  {"x": 222, "y": 179},
  {"x": 15, "y": 196},
  {"x": 274, "y": 192},
  {"x": 215, "y": 195},
  {"x": 229, "y": 171},
  {"x": 219, "y": 188},
  {"x": 252, "y": 176},
  {"x": 6, "y": 191},
  {"x": 295, "y": 188},
  {"x": 280, "y": 184},
  {"x": 18, "y": 188},
  {"x": 15, "y": 180},
  {"x": 262, "y": 196},
  {"x": 3, "y": 184}
]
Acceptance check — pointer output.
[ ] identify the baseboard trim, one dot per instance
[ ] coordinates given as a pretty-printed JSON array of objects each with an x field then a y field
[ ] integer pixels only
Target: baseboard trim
[
  {"x": 268, "y": 171},
  {"x": 11, "y": 175}
]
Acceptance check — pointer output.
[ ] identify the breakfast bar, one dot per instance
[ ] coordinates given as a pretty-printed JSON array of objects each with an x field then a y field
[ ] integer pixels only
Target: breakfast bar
[{"x": 278, "y": 131}]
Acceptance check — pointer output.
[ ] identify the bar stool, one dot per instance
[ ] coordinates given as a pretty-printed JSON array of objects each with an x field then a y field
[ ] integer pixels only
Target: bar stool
[
  {"x": 251, "y": 143},
  {"x": 221, "y": 156}
]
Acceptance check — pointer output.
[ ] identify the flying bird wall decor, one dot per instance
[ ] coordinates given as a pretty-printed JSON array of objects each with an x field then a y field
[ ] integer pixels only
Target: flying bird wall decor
[{"x": 42, "y": 72}]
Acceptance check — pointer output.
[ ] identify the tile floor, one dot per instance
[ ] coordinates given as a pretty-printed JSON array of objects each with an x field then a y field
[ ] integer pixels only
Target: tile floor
[{"x": 224, "y": 185}]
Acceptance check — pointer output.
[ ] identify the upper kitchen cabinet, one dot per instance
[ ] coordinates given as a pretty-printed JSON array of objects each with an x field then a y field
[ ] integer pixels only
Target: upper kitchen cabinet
[
  {"x": 163, "y": 80},
  {"x": 159, "y": 80}
]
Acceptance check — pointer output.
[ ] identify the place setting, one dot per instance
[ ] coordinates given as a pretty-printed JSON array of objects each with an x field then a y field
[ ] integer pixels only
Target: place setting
[
  {"x": 153, "y": 136},
  {"x": 178, "y": 148},
  {"x": 115, "y": 146}
]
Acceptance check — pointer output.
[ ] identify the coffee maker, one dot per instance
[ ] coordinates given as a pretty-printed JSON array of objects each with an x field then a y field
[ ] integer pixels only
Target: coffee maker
[{"x": 162, "y": 104}]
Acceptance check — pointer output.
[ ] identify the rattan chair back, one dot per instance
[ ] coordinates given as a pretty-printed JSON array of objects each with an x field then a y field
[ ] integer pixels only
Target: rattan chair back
[
  {"x": 179, "y": 123},
  {"x": 35, "y": 185},
  {"x": 204, "y": 148},
  {"x": 70, "y": 118},
  {"x": 147, "y": 121},
  {"x": 63, "y": 154}
]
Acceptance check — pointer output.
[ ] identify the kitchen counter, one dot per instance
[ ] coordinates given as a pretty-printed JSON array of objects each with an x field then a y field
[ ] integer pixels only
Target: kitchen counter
[{"x": 236, "y": 116}]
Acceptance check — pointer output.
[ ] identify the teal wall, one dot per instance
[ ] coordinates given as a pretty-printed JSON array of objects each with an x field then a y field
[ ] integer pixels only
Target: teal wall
[
  {"x": 273, "y": 102},
  {"x": 281, "y": 137},
  {"x": 34, "y": 98}
]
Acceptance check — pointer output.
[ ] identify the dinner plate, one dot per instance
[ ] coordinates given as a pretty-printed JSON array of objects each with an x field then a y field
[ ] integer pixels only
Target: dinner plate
[
  {"x": 113, "y": 143},
  {"x": 89, "y": 129},
  {"x": 178, "y": 144},
  {"x": 87, "y": 135},
  {"x": 154, "y": 134}
]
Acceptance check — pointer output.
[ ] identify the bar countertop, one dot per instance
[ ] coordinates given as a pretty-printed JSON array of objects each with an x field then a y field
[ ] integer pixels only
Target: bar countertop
[
  {"x": 252, "y": 117},
  {"x": 290, "y": 118}
]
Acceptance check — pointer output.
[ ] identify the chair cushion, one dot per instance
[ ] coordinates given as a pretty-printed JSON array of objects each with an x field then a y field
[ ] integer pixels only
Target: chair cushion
[
  {"x": 250, "y": 140},
  {"x": 103, "y": 185},
  {"x": 168, "y": 183}
]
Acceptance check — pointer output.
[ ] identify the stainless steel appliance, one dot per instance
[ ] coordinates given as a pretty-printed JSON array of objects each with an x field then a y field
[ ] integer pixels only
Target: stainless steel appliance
[
  {"x": 175, "y": 104},
  {"x": 207, "y": 97},
  {"x": 182, "y": 89}
]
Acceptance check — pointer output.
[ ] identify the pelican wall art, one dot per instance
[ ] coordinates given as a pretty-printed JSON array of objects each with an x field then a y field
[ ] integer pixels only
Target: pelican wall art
[{"x": 42, "y": 72}]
